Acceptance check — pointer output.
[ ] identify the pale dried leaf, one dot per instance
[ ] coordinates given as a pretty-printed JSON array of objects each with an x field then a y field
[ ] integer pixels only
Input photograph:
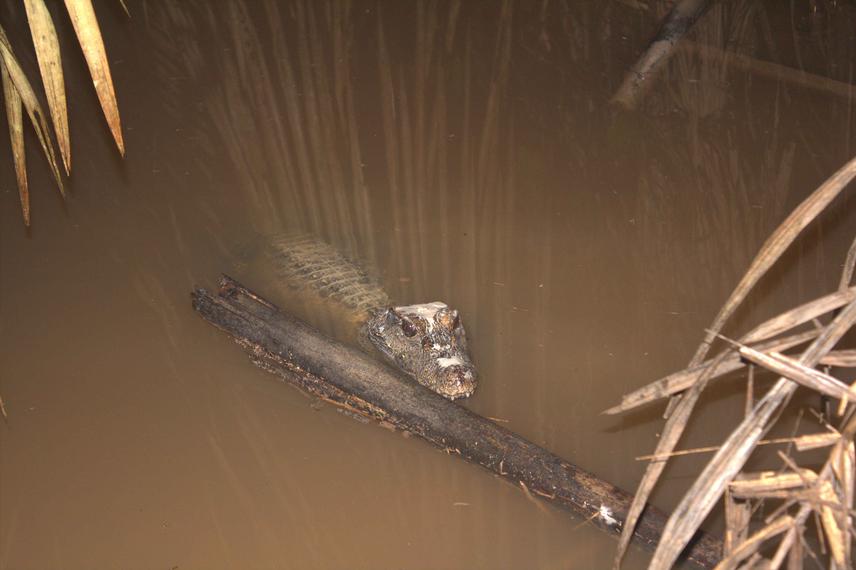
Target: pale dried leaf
[
  {"x": 50, "y": 67},
  {"x": 89, "y": 35},
  {"x": 31, "y": 104},
  {"x": 15, "y": 118}
]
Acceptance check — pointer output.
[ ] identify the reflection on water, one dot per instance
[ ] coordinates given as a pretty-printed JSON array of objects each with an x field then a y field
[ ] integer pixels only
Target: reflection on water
[{"x": 461, "y": 151}]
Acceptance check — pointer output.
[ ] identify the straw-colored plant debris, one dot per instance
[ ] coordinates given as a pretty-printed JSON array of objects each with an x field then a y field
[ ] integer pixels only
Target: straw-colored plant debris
[
  {"x": 18, "y": 90},
  {"x": 824, "y": 494}
]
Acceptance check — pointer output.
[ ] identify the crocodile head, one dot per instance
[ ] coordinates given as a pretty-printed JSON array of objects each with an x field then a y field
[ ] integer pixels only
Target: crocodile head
[{"x": 428, "y": 342}]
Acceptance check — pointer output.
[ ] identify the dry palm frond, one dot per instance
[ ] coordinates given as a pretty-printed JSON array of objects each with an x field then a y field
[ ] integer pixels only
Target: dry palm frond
[
  {"x": 14, "y": 115},
  {"x": 89, "y": 35},
  {"x": 724, "y": 467},
  {"x": 28, "y": 98},
  {"x": 18, "y": 90},
  {"x": 50, "y": 66}
]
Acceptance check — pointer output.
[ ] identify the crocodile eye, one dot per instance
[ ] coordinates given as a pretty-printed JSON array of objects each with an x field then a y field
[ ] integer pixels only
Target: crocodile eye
[{"x": 408, "y": 328}]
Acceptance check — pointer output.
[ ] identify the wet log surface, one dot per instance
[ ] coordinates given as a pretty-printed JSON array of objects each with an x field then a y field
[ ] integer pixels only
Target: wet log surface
[{"x": 347, "y": 377}]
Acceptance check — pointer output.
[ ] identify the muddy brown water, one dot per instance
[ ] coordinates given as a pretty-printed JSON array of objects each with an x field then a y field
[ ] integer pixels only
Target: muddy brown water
[{"x": 463, "y": 151}]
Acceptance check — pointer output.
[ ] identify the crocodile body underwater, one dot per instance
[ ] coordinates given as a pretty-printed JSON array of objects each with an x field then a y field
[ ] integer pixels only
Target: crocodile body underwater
[{"x": 427, "y": 341}]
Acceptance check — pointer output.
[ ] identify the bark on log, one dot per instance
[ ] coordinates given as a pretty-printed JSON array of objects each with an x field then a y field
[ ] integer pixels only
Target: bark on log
[{"x": 347, "y": 377}]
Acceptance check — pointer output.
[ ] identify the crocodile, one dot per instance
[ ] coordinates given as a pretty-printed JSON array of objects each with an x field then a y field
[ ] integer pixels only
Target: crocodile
[{"x": 427, "y": 341}]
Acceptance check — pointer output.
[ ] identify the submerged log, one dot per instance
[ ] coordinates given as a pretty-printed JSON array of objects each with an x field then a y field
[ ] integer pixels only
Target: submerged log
[
  {"x": 675, "y": 25},
  {"x": 348, "y": 378},
  {"x": 671, "y": 37}
]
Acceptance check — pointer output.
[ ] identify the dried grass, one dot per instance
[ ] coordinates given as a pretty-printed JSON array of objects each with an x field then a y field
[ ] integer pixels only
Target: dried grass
[{"x": 828, "y": 492}]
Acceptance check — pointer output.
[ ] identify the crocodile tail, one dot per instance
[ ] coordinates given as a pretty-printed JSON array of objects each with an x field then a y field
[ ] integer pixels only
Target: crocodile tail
[{"x": 307, "y": 262}]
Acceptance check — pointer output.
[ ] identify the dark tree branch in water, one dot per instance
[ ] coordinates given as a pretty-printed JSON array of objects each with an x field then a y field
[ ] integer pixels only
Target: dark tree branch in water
[
  {"x": 350, "y": 379},
  {"x": 676, "y": 24}
]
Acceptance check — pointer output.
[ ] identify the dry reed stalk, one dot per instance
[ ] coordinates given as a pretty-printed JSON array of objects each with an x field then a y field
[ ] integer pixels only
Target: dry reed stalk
[
  {"x": 760, "y": 485},
  {"x": 334, "y": 214},
  {"x": 298, "y": 170},
  {"x": 708, "y": 487},
  {"x": 331, "y": 156},
  {"x": 849, "y": 263},
  {"x": 843, "y": 358},
  {"x": 751, "y": 545},
  {"x": 800, "y": 315},
  {"x": 750, "y": 391},
  {"x": 729, "y": 459},
  {"x": 423, "y": 176},
  {"x": 775, "y": 245},
  {"x": 680, "y": 381},
  {"x": 795, "y": 556},
  {"x": 816, "y": 440},
  {"x": 389, "y": 117},
  {"x": 343, "y": 32},
  {"x": 803, "y": 375},
  {"x": 737, "y": 517},
  {"x": 288, "y": 120}
]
